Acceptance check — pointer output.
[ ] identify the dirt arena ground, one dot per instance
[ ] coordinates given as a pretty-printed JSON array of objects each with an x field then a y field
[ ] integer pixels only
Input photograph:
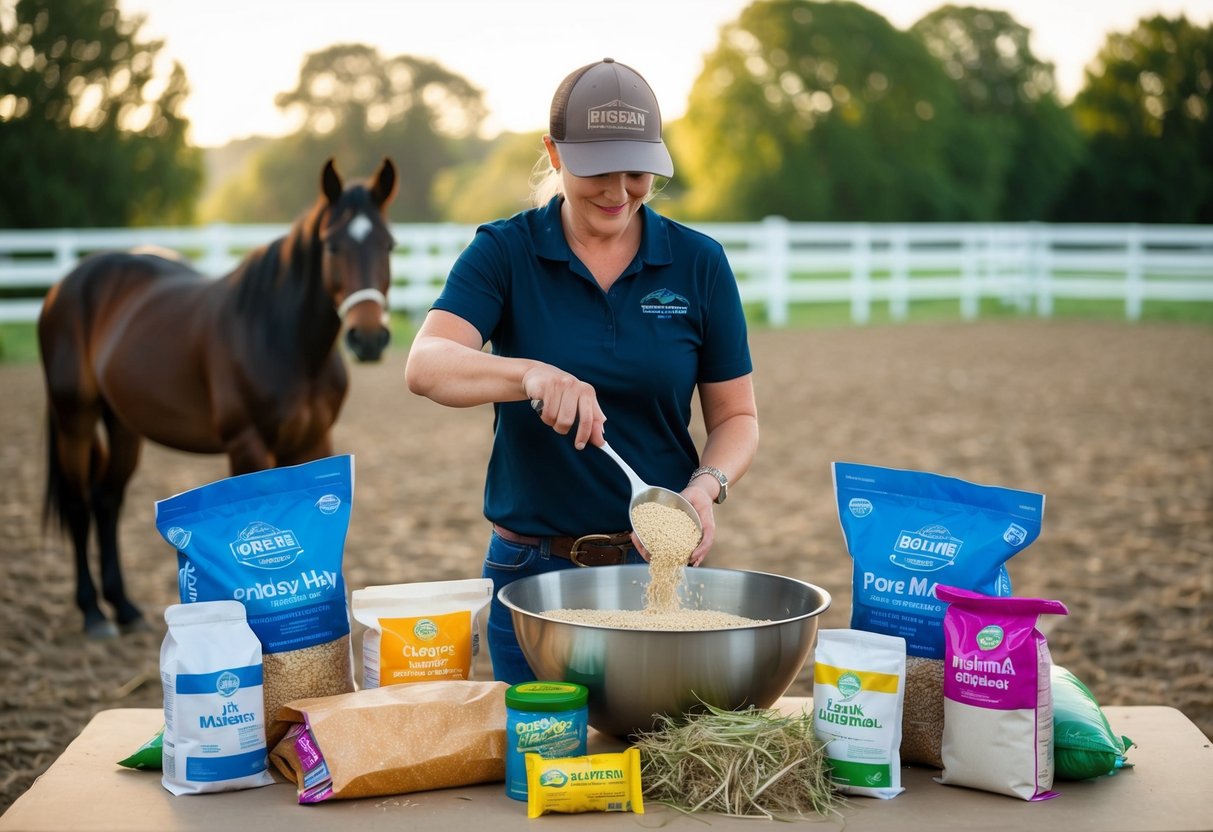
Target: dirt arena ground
[{"x": 1112, "y": 422}]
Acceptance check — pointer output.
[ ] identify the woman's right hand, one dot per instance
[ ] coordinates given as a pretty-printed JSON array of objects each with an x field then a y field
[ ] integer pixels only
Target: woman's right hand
[{"x": 567, "y": 401}]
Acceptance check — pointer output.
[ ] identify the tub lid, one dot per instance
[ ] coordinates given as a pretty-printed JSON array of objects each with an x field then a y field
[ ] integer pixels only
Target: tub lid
[{"x": 546, "y": 696}]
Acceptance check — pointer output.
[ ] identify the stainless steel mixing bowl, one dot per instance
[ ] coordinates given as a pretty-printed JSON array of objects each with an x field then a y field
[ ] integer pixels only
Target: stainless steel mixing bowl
[{"x": 634, "y": 674}]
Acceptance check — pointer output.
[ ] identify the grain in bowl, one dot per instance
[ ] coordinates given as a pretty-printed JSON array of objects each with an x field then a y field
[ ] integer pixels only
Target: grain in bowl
[{"x": 670, "y": 536}]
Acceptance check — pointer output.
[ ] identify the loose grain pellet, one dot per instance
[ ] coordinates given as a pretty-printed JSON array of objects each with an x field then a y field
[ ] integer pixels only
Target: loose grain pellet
[
  {"x": 670, "y": 536},
  {"x": 922, "y": 717},
  {"x": 321, "y": 670},
  {"x": 679, "y": 620}
]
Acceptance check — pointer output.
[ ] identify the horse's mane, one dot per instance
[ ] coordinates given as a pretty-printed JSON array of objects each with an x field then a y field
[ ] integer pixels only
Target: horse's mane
[
  {"x": 280, "y": 284},
  {"x": 274, "y": 275}
]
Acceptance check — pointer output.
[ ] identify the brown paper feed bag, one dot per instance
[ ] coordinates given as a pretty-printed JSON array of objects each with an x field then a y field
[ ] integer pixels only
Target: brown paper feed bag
[{"x": 402, "y": 738}]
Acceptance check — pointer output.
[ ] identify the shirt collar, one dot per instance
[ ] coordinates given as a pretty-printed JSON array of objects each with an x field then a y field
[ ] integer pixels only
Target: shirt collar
[{"x": 551, "y": 244}]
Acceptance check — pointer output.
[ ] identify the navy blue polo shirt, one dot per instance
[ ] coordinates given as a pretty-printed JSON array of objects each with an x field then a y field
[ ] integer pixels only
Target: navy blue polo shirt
[{"x": 672, "y": 320}]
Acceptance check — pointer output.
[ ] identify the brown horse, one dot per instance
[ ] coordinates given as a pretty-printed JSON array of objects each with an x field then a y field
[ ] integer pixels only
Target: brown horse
[{"x": 246, "y": 365}]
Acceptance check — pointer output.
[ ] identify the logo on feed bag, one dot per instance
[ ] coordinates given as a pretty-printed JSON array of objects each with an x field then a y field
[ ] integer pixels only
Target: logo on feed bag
[
  {"x": 989, "y": 637},
  {"x": 328, "y": 504},
  {"x": 179, "y": 537},
  {"x": 554, "y": 778},
  {"x": 263, "y": 546},
  {"x": 860, "y": 507},
  {"x": 1015, "y": 534},
  {"x": 227, "y": 684},
  {"x": 926, "y": 550},
  {"x": 849, "y": 684}
]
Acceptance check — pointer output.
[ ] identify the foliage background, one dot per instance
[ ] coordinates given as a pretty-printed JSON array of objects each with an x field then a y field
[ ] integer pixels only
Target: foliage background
[
  {"x": 90, "y": 135},
  {"x": 807, "y": 109}
]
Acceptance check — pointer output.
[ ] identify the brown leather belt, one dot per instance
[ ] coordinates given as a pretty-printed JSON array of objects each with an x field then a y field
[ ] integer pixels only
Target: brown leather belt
[{"x": 587, "y": 550}]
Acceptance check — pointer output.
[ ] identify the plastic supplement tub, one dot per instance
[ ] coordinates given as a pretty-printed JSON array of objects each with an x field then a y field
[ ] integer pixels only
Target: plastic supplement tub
[{"x": 545, "y": 718}]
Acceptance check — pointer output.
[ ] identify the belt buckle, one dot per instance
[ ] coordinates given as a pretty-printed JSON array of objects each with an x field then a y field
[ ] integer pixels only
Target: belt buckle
[{"x": 595, "y": 540}]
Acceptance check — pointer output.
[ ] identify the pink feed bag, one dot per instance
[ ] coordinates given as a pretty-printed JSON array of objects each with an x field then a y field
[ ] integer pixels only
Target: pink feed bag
[{"x": 998, "y": 704}]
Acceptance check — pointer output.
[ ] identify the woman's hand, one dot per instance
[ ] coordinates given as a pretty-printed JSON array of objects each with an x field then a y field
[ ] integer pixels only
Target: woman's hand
[
  {"x": 703, "y": 507},
  {"x": 566, "y": 401},
  {"x": 703, "y": 504}
]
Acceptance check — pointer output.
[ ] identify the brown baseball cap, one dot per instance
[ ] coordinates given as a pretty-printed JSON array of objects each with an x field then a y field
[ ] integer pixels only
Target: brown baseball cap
[{"x": 605, "y": 119}]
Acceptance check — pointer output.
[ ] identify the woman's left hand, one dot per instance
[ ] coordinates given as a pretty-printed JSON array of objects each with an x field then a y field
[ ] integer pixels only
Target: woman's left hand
[{"x": 702, "y": 504}]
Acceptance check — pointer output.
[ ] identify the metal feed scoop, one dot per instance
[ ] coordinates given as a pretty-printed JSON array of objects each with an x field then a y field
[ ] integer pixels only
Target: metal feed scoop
[{"x": 642, "y": 492}]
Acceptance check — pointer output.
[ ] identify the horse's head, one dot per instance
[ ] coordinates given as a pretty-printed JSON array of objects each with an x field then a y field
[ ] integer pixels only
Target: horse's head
[{"x": 357, "y": 256}]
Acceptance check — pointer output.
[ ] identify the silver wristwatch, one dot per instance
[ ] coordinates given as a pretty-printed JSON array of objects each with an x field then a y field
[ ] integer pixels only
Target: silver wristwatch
[{"x": 720, "y": 478}]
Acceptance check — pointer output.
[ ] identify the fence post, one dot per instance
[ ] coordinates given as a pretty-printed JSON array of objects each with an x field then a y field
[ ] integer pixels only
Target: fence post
[
  {"x": 1134, "y": 277},
  {"x": 214, "y": 261},
  {"x": 66, "y": 254},
  {"x": 1019, "y": 252},
  {"x": 1042, "y": 269},
  {"x": 899, "y": 277},
  {"x": 861, "y": 273},
  {"x": 775, "y": 239},
  {"x": 970, "y": 283}
]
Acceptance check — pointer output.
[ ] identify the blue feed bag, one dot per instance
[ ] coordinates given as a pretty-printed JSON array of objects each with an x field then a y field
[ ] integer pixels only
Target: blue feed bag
[
  {"x": 907, "y": 531},
  {"x": 272, "y": 540}
]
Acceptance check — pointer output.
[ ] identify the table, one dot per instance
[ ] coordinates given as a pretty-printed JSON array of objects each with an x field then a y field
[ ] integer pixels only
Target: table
[{"x": 1170, "y": 788}]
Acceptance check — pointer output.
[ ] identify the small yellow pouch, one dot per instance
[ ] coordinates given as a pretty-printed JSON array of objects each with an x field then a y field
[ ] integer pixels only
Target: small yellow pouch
[{"x": 593, "y": 783}]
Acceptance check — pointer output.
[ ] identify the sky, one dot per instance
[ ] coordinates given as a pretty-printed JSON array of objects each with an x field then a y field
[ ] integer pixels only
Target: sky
[{"x": 239, "y": 54}]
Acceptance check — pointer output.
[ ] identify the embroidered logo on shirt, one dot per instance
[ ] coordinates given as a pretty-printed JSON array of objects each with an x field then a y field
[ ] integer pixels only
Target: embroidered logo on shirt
[{"x": 664, "y": 303}]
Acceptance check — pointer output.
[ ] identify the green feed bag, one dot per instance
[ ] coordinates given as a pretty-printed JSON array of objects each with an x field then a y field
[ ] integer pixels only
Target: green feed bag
[
  {"x": 147, "y": 757},
  {"x": 1084, "y": 743}
]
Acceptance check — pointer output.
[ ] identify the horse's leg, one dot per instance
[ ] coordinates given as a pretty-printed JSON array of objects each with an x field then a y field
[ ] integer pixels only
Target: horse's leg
[
  {"x": 318, "y": 449},
  {"x": 246, "y": 452},
  {"x": 108, "y": 493},
  {"x": 74, "y": 453}
]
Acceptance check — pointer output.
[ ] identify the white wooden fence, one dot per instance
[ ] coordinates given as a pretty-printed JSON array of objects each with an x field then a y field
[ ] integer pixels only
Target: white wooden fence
[{"x": 778, "y": 263}]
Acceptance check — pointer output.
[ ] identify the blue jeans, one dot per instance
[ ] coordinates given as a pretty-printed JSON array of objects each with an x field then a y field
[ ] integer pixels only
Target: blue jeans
[{"x": 505, "y": 562}]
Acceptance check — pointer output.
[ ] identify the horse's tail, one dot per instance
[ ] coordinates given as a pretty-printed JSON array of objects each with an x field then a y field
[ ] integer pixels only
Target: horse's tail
[
  {"x": 64, "y": 497},
  {"x": 53, "y": 503}
]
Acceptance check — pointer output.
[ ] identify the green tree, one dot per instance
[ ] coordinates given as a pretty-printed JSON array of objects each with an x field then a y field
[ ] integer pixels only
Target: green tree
[
  {"x": 91, "y": 132},
  {"x": 1146, "y": 111},
  {"x": 825, "y": 111},
  {"x": 499, "y": 185},
  {"x": 1012, "y": 96},
  {"x": 359, "y": 107}
]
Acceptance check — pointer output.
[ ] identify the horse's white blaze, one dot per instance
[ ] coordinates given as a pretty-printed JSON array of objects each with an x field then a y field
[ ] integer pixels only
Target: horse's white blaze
[{"x": 359, "y": 227}]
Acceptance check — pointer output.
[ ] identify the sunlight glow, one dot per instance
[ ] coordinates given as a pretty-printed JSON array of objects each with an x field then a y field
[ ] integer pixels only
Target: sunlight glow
[{"x": 518, "y": 51}]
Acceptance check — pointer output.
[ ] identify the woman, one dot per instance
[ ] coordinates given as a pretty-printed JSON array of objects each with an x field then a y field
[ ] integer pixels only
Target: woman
[{"x": 597, "y": 309}]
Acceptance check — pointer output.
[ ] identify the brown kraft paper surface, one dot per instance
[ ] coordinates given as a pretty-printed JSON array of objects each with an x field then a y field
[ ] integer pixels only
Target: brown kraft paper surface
[{"x": 402, "y": 738}]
